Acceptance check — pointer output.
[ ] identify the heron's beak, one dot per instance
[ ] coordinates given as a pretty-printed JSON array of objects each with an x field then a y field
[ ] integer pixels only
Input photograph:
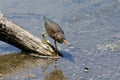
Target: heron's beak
[{"x": 66, "y": 42}]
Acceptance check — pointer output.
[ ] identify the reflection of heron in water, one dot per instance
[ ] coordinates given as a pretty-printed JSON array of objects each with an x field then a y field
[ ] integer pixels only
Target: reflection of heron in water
[
  {"x": 55, "y": 74},
  {"x": 54, "y": 31}
]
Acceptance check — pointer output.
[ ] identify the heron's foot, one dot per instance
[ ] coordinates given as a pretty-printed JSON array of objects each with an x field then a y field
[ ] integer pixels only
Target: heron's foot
[
  {"x": 45, "y": 41},
  {"x": 56, "y": 52}
]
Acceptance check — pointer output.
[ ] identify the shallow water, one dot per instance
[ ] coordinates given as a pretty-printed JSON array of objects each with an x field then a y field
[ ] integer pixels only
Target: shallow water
[{"x": 89, "y": 25}]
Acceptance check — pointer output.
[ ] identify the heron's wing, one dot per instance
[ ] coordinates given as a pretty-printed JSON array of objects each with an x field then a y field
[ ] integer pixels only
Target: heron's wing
[
  {"x": 53, "y": 26},
  {"x": 57, "y": 28},
  {"x": 50, "y": 30}
]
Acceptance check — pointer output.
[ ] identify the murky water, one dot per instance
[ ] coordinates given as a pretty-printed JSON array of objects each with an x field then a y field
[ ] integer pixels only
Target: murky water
[{"x": 91, "y": 26}]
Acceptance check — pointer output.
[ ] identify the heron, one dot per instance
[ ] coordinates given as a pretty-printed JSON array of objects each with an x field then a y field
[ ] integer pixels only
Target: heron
[{"x": 54, "y": 31}]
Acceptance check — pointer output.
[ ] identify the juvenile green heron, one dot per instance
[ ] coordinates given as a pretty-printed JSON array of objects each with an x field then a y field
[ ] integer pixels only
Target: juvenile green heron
[{"x": 54, "y": 31}]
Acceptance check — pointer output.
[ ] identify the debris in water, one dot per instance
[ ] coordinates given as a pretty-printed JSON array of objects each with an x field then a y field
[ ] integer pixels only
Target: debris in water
[{"x": 85, "y": 69}]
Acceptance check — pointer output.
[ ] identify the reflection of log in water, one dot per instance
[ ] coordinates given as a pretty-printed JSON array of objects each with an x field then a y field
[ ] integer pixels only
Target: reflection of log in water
[{"x": 13, "y": 63}]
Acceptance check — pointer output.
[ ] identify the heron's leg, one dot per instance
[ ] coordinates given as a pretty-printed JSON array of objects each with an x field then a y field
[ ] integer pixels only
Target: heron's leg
[
  {"x": 43, "y": 35},
  {"x": 56, "y": 47}
]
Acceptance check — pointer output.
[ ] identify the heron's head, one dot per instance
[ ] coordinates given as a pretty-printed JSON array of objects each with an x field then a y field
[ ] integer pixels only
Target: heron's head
[{"x": 60, "y": 38}]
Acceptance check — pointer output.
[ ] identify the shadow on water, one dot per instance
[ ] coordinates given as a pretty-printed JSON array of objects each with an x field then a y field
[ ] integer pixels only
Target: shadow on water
[
  {"x": 10, "y": 64},
  {"x": 67, "y": 56},
  {"x": 6, "y": 48}
]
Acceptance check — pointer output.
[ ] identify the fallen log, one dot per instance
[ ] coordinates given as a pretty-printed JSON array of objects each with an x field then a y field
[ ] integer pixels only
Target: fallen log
[{"x": 22, "y": 39}]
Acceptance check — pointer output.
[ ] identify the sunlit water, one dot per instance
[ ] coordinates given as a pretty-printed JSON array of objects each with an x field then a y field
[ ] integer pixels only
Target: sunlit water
[{"x": 87, "y": 24}]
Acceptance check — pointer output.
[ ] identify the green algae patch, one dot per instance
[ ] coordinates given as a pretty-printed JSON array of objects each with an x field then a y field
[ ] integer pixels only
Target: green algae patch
[{"x": 113, "y": 46}]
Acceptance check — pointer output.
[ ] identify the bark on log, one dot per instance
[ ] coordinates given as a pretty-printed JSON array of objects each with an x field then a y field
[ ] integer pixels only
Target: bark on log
[{"x": 22, "y": 39}]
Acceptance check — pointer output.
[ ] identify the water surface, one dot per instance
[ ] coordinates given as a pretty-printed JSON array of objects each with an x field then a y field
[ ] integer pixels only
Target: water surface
[{"x": 89, "y": 25}]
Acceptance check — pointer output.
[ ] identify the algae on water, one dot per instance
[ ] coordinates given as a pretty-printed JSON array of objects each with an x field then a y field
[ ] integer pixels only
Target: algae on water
[{"x": 113, "y": 46}]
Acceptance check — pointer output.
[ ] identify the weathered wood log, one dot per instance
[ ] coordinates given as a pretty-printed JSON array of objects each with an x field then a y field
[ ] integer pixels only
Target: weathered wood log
[{"x": 22, "y": 39}]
